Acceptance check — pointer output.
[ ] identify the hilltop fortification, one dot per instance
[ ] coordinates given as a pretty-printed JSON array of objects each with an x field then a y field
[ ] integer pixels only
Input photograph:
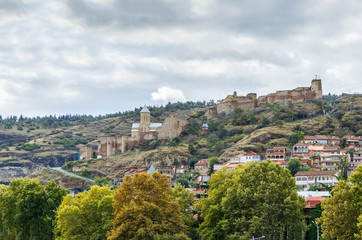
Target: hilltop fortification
[
  {"x": 145, "y": 130},
  {"x": 250, "y": 101}
]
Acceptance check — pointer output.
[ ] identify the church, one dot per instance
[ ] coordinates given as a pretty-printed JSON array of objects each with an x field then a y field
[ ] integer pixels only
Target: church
[{"x": 145, "y": 125}]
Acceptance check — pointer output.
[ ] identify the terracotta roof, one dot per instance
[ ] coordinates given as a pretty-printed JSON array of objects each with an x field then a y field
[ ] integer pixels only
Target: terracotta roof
[
  {"x": 308, "y": 137},
  {"x": 183, "y": 167},
  {"x": 331, "y": 148},
  {"x": 353, "y": 138},
  {"x": 279, "y": 148},
  {"x": 250, "y": 153},
  {"x": 316, "y": 173},
  {"x": 318, "y": 198},
  {"x": 231, "y": 165},
  {"x": 322, "y": 137}
]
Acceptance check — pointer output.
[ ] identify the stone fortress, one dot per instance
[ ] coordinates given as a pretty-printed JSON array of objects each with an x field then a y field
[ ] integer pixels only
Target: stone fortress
[
  {"x": 250, "y": 101},
  {"x": 143, "y": 131}
]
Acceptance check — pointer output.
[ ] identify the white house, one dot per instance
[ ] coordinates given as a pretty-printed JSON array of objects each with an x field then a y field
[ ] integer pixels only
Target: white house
[
  {"x": 306, "y": 179},
  {"x": 244, "y": 158}
]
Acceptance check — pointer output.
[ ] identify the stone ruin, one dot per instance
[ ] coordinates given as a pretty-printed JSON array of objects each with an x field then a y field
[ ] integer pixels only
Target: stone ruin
[
  {"x": 250, "y": 101},
  {"x": 170, "y": 128}
]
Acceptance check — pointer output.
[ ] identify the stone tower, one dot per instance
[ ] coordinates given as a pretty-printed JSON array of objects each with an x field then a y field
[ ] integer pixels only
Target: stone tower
[
  {"x": 316, "y": 87},
  {"x": 145, "y": 120}
]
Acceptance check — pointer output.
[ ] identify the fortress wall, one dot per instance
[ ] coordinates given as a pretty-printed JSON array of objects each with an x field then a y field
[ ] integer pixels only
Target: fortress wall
[
  {"x": 86, "y": 152},
  {"x": 284, "y": 97},
  {"x": 172, "y": 127}
]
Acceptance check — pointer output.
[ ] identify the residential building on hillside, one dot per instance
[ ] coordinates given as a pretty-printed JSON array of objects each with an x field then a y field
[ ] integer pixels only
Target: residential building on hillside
[
  {"x": 245, "y": 157},
  {"x": 300, "y": 149},
  {"x": 218, "y": 166},
  {"x": 353, "y": 141},
  {"x": 321, "y": 140},
  {"x": 307, "y": 179},
  {"x": 357, "y": 159},
  {"x": 276, "y": 154},
  {"x": 330, "y": 157},
  {"x": 202, "y": 164},
  {"x": 202, "y": 179},
  {"x": 312, "y": 202},
  {"x": 182, "y": 169},
  {"x": 168, "y": 171}
]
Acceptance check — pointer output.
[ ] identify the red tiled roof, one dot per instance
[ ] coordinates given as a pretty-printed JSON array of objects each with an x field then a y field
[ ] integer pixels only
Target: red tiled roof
[
  {"x": 316, "y": 173},
  {"x": 321, "y": 137},
  {"x": 308, "y": 137},
  {"x": 279, "y": 148},
  {"x": 331, "y": 148},
  {"x": 250, "y": 153}
]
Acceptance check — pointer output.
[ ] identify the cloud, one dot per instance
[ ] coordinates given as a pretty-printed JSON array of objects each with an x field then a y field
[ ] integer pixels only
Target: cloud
[
  {"x": 104, "y": 56},
  {"x": 168, "y": 94}
]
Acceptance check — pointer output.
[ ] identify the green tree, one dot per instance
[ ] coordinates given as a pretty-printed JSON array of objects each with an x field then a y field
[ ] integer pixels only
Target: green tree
[
  {"x": 212, "y": 162},
  {"x": 178, "y": 236},
  {"x": 296, "y": 137},
  {"x": 293, "y": 166},
  {"x": 101, "y": 181},
  {"x": 192, "y": 149},
  {"x": 265, "y": 121},
  {"x": 343, "y": 210},
  {"x": 185, "y": 198},
  {"x": 85, "y": 216},
  {"x": 253, "y": 200},
  {"x": 145, "y": 208},
  {"x": 343, "y": 168},
  {"x": 28, "y": 208}
]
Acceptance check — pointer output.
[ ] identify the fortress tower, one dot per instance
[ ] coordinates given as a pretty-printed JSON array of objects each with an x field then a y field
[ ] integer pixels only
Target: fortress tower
[{"x": 316, "y": 87}]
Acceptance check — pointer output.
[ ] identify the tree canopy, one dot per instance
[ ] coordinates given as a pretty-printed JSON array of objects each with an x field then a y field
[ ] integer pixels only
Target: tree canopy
[
  {"x": 86, "y": 215},
  {"x": 27, "y": 209},
  {"x": 342, "y": 215},
  {"x": 144, "y": 208},
  {"x": 258, "y": 199}
]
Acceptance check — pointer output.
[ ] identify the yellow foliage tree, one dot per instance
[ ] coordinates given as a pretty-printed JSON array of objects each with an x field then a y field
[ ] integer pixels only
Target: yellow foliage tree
[{"x": 144, "y": 209}]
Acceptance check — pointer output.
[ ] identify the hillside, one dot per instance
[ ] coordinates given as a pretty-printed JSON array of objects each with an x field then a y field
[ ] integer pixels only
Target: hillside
[
  {"x": 28, "y": 145},
  {"x": 25, "y": 152},
  {"x": 234, "y": 134}
]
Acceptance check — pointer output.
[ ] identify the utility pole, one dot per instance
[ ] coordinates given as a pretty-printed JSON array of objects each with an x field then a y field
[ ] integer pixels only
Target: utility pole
[{"x": 317, "y": 226}]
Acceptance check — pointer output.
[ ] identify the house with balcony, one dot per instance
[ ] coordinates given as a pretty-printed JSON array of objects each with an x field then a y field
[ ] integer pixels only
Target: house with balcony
[
  {"x": 330, "y": 156},
  {"x": 321, "y": 140},
  {"x": 300, "y": 150},
  {"x": 245, "y": 157},
  {"x": 276, "y": 154},
  {"x": 307, "y": 179},
  {"x": 353, "y": 141}
]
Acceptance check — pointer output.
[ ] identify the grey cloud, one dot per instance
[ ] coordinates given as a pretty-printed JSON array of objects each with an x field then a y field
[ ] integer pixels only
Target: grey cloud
[
  {"x": 10, "y": 5},
  {"x": 130, "y": 13}
]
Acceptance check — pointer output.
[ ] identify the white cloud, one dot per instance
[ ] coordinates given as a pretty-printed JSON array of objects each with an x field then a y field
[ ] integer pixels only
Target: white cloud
[{"x": 167, "y": 94}]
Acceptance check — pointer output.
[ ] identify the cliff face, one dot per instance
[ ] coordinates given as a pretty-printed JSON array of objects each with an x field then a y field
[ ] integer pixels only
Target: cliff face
[
  {"x": 232, "y": 102},
  {"x": 16, "y": 165},
  {"x": 12, "y": 168}
]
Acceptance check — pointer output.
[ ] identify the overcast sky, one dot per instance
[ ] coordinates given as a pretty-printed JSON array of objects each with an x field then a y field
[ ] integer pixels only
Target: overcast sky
[{"x": 104, "y": 56}]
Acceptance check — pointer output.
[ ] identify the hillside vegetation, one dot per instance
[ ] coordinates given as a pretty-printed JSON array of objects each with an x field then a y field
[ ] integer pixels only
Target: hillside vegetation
[{"x": 57, "y": 143}]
